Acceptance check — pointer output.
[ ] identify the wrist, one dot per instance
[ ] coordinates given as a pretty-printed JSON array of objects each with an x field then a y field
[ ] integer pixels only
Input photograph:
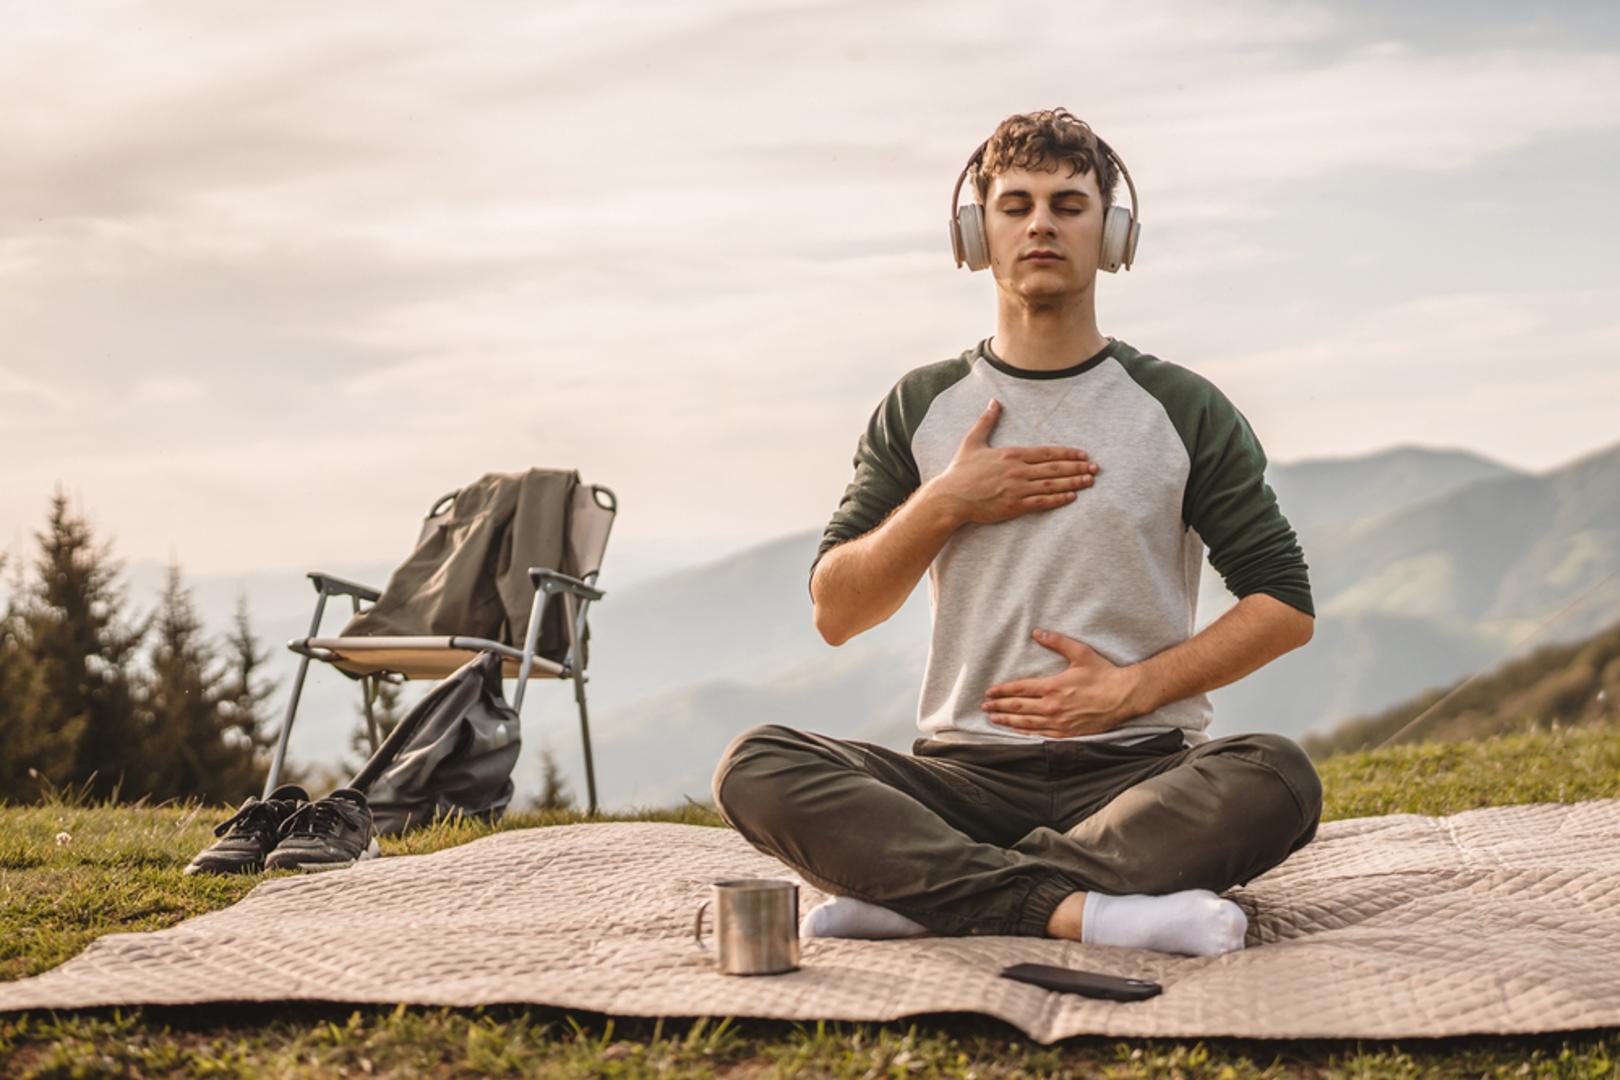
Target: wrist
[
  {"x": 1139, "y": 692},
  {"x": 943, "y": 509}
]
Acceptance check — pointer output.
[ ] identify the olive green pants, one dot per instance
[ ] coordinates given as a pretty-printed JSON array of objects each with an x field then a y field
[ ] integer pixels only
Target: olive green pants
[{"x": 975, "y": 838}]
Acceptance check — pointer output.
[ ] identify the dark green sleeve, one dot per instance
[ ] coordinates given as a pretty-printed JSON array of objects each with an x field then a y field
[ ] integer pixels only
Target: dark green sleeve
[
  {"x": 1234, "y": 510},
  {"x": 885, "y": 475}
]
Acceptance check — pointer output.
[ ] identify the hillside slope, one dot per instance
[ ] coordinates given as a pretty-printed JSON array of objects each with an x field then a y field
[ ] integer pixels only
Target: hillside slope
[{"x": 1569, "y": 683}]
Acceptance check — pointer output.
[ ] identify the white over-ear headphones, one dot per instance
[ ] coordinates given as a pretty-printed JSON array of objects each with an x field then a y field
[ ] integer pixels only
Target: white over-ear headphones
[{"x": 1120, "y": 226}]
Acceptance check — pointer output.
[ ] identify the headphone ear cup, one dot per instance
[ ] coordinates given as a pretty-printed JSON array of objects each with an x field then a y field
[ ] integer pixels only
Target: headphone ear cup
[
  {"x": 970, "y": 228},
  {"x": 1116, "y": 233}
]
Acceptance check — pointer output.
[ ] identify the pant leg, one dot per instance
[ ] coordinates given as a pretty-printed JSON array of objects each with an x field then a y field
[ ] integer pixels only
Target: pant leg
[
  {"x": 912, "y": 834},
  {"x": 1206, "y": 817}
]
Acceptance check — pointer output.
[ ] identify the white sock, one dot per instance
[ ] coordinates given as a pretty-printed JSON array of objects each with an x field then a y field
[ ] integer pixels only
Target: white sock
[
  {"x": 1193, "y": 921},
  {"x": 847, "y": 917}
]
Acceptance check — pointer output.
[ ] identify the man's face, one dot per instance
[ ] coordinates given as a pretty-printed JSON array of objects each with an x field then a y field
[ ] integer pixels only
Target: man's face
[{"x": 1045, "y": 210}]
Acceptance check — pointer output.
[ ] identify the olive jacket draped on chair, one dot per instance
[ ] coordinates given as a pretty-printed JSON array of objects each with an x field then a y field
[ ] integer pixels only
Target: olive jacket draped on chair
[{"x": 469, "y": 573}]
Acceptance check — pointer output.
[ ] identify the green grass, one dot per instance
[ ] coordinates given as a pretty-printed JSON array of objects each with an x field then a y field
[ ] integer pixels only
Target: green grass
[{"x": 119, "y": 870}]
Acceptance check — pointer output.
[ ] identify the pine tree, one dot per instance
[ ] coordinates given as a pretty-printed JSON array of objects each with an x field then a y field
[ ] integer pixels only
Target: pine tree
[
  {"x": 554, "y": 793},
  {"x": 245, "y": 697},
  {"x": 189, "y": 747},
  {"x": 386, "y": 710},
  {"x": 71, "y": 619},
  {"x": 31, "y": 751}
]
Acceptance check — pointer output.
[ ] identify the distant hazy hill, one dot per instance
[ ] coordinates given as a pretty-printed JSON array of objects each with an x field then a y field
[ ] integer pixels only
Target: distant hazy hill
[
  {"x": 745, "y": 617},
  {"x": 1327, "y": 492},
  {"x": 1321, "y": 497},
  {"x": 1504, "y": 549},
  {"x": 670, "y": 748},
  {"x": 1571, "y": 683}
]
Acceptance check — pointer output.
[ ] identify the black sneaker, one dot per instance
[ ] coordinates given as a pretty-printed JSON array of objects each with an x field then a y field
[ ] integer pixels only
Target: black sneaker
[
  {"x": 250, "y": 834},
  {"x": 327, "y": 834}
]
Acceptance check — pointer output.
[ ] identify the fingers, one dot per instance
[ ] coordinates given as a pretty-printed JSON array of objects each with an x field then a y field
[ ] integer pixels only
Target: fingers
[
  {"x": 1045, "y": 502},
  {"x": 1058, "y": 468},
  {"x": 984, "y": 425},
  {"x": 1031, "y": 725},
  {"x": 1021, "y": 690},
  {"x": 1052, "y": 485},
  {"x": 1035, "y": 455},
  {"x": 1055, "y": 478},
  {"x": 1028, "y": 724},
  {"x": 1020, "y": 705}
]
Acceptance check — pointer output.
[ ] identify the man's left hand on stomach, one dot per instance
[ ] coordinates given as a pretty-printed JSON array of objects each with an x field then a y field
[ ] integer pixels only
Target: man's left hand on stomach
[{"x": 1091, "y": 695}]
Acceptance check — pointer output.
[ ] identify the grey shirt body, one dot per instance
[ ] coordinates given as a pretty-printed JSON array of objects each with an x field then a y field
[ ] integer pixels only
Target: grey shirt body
[{"x": 1117, "y": 567}]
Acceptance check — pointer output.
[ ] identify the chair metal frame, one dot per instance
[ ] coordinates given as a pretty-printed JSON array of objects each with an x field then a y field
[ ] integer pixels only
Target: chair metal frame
[{"x": 577, "y": 594}]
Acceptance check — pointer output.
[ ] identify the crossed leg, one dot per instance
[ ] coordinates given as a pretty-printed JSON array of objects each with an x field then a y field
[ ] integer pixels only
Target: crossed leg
[{"x": 960, "y": 850}]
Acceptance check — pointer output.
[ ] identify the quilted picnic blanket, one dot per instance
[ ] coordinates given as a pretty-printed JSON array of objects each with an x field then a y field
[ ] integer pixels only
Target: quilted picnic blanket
[{"x": 1504, "y": 919}]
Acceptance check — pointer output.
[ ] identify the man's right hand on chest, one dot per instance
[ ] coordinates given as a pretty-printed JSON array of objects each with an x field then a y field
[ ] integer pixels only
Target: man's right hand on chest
[
  {"x": 985, "y": 484},
  {"x": 863, "y": 581}
]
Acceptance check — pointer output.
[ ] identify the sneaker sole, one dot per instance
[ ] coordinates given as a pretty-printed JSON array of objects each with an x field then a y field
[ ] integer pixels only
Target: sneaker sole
[
  {"x": 372, "y": 851},
  {"x": 193, "y": 869}
]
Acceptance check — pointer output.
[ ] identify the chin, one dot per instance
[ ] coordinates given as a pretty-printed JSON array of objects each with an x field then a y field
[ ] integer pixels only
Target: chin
[{"x": 1049, "y": 289}]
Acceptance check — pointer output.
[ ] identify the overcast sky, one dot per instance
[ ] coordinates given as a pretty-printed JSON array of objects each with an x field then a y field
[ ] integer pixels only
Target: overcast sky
[{"x": 273, "y": 276}]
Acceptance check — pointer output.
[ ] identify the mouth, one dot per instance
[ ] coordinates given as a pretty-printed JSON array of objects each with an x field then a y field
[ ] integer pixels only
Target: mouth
[{"x": 1043, "y": 257}]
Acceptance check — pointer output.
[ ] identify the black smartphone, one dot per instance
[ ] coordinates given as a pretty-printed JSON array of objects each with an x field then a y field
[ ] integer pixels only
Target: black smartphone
[{"x": 1088, "y": 983}]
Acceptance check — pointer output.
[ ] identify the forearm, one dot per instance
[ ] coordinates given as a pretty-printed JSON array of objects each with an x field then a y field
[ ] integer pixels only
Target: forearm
[
  {"x": 1258, "y": 629},
  {"x": 861, "y": 582}
]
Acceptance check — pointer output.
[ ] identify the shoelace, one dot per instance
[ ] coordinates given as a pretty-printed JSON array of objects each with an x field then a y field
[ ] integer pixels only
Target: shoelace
[
  {"x": 255, "y": 818},
  {"x": 319, "y": 818}
]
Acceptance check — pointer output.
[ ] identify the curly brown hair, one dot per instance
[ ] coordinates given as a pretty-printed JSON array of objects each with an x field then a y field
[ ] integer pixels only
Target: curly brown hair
[{"x": 1042, "y": 140}]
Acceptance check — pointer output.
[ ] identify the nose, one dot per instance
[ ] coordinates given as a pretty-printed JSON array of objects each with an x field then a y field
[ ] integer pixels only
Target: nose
[{"x": 1041, "y": 222}]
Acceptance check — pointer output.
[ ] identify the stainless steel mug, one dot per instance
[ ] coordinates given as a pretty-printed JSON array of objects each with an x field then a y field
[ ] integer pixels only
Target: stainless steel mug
[{"x": 756, "y": 921}]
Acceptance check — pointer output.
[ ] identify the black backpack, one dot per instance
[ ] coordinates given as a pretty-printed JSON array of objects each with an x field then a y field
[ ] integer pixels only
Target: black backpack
[{"x": 451, "y": 755}]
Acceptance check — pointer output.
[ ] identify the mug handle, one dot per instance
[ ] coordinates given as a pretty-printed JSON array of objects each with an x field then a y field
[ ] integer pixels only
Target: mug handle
[{"x": 697, "y": 926}]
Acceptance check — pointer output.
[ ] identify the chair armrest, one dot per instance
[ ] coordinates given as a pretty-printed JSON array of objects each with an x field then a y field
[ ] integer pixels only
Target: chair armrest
[
  {"x": 552, "y": 581},
  {"x": 336, "y": 586}
]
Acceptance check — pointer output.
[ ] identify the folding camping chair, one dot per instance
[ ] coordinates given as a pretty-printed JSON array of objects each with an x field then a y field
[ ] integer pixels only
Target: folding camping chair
[{"x": 591, "y": 513}]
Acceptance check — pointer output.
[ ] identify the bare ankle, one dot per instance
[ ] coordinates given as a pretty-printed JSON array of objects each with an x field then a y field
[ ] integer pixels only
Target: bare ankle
[{"x": 1065, "y": 919}]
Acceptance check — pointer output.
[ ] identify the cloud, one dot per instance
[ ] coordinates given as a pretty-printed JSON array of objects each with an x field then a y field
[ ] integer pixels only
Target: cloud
[
  {"x": 22, "y": 396},
  {"x": 686, "y": 246},
  {"x": 163, "y": 391},
  {"x": 423, "y": 138},
  {"x": 1528, "y": 377}
]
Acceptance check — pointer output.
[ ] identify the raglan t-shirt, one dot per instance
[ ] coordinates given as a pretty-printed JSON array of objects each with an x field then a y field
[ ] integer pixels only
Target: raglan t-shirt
[{"x": 1117, "y": 567}]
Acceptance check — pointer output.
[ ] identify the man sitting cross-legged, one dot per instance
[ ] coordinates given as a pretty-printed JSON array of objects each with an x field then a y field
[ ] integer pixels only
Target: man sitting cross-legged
[{"x": 1059, "y": 488}]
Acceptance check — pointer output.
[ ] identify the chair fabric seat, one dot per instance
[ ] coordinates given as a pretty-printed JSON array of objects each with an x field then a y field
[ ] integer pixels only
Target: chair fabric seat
[{"x": 421, "y": 657}]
